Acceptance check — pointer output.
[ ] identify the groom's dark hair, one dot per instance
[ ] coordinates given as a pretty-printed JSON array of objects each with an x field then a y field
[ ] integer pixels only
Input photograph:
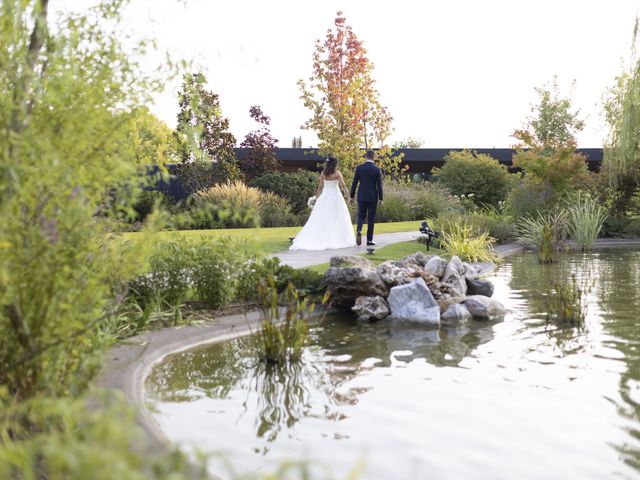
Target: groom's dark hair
[{"x": 370, "y": 155}]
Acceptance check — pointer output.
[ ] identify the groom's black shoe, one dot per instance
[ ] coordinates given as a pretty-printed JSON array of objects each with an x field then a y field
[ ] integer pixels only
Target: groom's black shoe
[
  {"x": 358, "y": 239},
  {"x": 370, "y": 244}
]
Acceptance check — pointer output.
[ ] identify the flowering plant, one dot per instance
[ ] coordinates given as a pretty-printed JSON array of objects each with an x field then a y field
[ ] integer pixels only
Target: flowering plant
[{"x": 311, "y": 202}]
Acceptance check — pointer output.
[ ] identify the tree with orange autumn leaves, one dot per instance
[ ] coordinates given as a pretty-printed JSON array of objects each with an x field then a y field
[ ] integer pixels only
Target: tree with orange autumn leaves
[{"x": 346, "y": 112}]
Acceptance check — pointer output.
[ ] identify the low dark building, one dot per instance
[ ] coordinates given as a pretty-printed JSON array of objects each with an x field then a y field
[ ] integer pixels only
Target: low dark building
[{"x": 419, "y": 160}]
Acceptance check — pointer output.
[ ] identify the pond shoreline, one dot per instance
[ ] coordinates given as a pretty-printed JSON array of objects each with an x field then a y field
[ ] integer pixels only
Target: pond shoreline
[{"x": 127, "y": 365}]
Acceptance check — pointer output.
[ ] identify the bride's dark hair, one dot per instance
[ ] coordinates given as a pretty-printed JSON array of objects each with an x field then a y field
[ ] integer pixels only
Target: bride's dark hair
[{"x": 330, "y": 167}]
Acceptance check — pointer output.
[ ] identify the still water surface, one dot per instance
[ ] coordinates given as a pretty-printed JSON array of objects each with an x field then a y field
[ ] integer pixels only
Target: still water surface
[{"x": 513, "y": 399}]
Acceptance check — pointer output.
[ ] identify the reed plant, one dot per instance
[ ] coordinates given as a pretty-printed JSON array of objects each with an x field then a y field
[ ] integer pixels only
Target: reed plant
[
  {"x": 284, "y": 332},
  {"x": 586, "y": 218},
  {"x": 468, "y": 244},
  {"x": 566, "y": 307},
  {"x": 546, "y": 233}
]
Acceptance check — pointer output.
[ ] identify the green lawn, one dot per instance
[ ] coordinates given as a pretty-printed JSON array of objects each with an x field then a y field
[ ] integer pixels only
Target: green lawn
[
  {"x": 266, "y": 240},
  {"x": 390, "y": 252}
]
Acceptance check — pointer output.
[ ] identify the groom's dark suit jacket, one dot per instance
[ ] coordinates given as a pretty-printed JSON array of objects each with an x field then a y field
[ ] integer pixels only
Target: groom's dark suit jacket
[{"x": 370, "y": 178}]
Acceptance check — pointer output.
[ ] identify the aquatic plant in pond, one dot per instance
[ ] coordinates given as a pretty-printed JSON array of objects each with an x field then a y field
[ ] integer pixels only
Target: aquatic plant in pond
[
  {"x": 546, "y": 233},
  {"x": 283, "y": 338},
  {"x": 566, "y": 306}
]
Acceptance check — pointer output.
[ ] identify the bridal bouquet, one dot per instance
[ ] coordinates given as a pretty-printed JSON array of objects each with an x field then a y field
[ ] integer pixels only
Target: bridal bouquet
[{"x": 311, "y": 202}]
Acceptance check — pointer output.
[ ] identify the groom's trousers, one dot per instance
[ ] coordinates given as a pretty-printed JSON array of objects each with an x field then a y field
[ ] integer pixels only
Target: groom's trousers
[{"x": 367, "y": 210}]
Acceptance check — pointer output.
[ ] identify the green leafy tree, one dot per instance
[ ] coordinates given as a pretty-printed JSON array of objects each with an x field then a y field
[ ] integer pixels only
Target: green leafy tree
[
  {"x": 67, "y": 98},
  {"x": 409, "y": 142},
  {"x": 621, "y": 148},
  {"x": 153, "y": 140},
  {"x": 346, "y": 112},
  {"x": 206, "y": 146},
  {"x": 261, "y": 157},
  {"x": 546, "y": 148}
]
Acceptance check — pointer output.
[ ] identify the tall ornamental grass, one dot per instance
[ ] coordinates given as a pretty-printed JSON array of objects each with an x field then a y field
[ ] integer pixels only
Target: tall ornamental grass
[
  {"x": 467, "y": 244},
  {"x": 232, "y": 204},
  {"x": 546, "y": 233},
  {"x": 586, "y": 218}
]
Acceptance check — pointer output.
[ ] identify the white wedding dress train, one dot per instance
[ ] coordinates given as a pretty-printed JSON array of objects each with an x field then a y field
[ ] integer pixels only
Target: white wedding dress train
[{"x": 329, "y": 225}]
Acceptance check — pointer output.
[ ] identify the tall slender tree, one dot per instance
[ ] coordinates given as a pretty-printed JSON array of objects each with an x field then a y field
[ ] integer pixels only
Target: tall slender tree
[
  {"x": 206, "y": 145},
  {"x": 622, "y": 147},
  {"x": 261, "y": 157},
  {"x": 346, "y": 112}
]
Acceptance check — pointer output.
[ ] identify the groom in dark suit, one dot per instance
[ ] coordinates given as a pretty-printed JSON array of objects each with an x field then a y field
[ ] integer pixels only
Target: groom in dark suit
[{"x": 370, "y": 179}]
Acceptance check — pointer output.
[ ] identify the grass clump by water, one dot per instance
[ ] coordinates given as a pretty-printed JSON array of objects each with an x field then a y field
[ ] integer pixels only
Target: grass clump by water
[
  {"x": 546, "y": 233},
  {"x": 565, "y": 304},
  {"x": 586, "y": 218},
  {"x": 469, "y": 245},
  {"x": 285, "y": 328}
]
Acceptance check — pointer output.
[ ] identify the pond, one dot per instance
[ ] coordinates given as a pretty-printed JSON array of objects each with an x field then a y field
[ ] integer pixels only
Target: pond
[{"x": 506, "y": 399}]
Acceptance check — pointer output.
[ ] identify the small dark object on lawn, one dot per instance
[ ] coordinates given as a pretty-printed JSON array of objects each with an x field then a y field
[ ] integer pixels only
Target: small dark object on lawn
[
  {"x": 291, "y": 239},
  {"x": 425, "y": 229},
  {"x": 371, "y": 251}
]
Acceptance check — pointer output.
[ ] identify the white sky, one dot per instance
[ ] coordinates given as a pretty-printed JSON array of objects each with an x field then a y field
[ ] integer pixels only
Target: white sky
[{"x": 455, "y": 73}]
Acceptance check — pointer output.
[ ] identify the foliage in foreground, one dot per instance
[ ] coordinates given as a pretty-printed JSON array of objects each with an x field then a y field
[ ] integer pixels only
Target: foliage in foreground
[
  {"x": 68, "y": 98},
  {"x": 61, "y": 439}
]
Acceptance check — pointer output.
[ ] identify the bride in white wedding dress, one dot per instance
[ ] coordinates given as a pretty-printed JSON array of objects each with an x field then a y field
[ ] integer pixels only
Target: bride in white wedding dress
[{"x": 329, "y": 225}]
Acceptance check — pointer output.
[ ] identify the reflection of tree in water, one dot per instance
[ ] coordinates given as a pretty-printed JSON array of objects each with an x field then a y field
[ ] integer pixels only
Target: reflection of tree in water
[{"x": 618, "y": 293}]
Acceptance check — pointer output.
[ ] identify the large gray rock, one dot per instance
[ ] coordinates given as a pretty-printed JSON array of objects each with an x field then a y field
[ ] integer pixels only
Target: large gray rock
[
  {"x": 479, "y": 287},
  {"x": 471, "y": 272},
  {"x": 484, "y": 308},
  {"x": 394, "y": 274},
  {"x": 418, "y": 260},
  {"x": 435, "y": 266},
  {"x": 413, "y": 302},
  {"x": 455, "y": 315},
  {"x": 454, "y": 279},
  {"x": 371, "y": 308},
  {"x": 350, "y": 261},
  {"x": 345, "y": 283}
]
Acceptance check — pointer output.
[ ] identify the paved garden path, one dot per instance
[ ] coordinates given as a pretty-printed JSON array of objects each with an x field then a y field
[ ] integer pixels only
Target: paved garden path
[{"x": 307, "y": 258}]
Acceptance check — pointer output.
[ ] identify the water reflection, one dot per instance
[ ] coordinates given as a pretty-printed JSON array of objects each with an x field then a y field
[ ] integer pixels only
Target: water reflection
[
  {"x": 455, "y": 402},
  {"x": 613, "y": 305}
]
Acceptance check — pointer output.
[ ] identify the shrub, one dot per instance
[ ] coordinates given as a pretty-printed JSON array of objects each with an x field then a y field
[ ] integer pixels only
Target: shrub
[
  {"x": 207, "y": 270},
  {"x": 461, "y": 240},
  {"x": 467, "y": 172},
  {"x": 623, "y": 227},
  {"x": 231, "y": 204},
  {"x": 499, "y": 227},
  {"x": 399, "y": 204},
  {"x": 586, "y": 218},
  {"x": 295, "y": 187},
  {"x": 530, "y": 197},
  {"x": 275, "y": 211},
  {"x": 196, "y": 176},
  {"x": 433, "y": 200}
]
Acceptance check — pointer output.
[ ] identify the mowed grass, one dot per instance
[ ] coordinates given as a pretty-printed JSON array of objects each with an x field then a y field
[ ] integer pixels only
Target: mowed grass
[
  {"x": 395, "y": 251},
  {"x": 264, "y": 240}
]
